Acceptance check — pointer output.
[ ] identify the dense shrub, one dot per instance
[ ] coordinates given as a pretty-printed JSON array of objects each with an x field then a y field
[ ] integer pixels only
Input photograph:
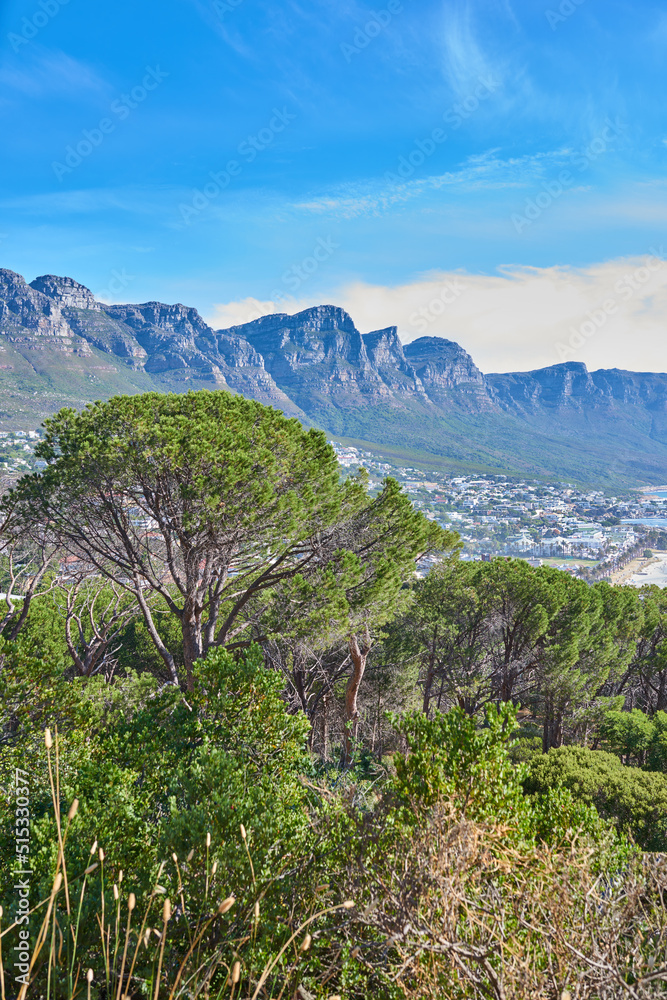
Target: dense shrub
[{"x": 635, "y": 800}]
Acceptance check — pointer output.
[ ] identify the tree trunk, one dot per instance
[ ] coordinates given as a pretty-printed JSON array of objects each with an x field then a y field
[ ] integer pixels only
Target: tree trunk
[
  {"x": 661, "y": 703},
  {"x": 552, "y": 735},
  {"x": 430, "y": 674},
  {"x": 25, "y": 604},
  {"x": 168, "y": 659},
  {"x": 192, "y": 640},
  {"x": 358, "y": 655},
  {"x": 299, "y": 680},
  {"x": 547, "y": 726},
  {"x": 325, "y": 725}
]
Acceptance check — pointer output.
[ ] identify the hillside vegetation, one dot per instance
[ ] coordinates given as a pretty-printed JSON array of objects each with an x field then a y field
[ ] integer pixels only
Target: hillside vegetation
[{"x": 246, "y": 751}]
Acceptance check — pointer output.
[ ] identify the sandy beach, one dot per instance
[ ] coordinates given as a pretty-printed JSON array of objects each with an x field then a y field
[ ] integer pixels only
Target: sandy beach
[{"x": 654, "y": 573}]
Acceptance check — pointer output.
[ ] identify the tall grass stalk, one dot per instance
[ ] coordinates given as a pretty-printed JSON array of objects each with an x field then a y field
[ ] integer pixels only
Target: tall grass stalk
[{"x": 58, "y": 954}]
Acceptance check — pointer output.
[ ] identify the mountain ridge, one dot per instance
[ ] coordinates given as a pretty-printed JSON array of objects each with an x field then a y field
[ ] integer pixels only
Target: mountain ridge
[{"x": 59, "y": 346}]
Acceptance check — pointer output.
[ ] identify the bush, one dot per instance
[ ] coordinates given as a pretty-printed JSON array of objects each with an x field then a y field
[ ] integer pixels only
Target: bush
[
  {"x": 167, "y": 777},
  {"x": 636, "y": 801},
  {"x": 452, "y": 758}
]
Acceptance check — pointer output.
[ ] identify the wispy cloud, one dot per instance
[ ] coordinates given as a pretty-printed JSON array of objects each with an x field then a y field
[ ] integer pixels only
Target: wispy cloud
[
  {"x": 483, "y": 171},
  {"x": 49, "y": 73},
  {"x": 134, "y": 200},
  {"x": 464, "y": 60}
]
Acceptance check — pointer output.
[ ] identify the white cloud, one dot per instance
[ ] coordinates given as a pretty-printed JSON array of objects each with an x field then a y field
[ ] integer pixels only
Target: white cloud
[
  {"x": 608, "y": 315},
  {"x": 464, "y": 62}
]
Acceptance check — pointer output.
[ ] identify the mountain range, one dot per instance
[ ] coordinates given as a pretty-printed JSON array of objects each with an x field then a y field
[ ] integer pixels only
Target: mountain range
[{"x": 425, "y": 402}]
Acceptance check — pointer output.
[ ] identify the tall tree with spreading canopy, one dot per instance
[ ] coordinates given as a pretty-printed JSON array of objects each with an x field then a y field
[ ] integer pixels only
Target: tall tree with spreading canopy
[
  {"x": 206, "y": 498},
  {"x": 341, "y": 603},
  {"x": 648, "y": 670},
  {"x": 478, "y": 630}
]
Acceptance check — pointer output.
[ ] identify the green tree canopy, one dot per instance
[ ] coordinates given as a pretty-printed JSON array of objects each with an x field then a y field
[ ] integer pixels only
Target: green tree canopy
[
  {"x": 505, "y": 631},
  {"x": 205, "y": 498},
  {"x": 637, "y": 738},
  {"x": 650, "y": 662}
]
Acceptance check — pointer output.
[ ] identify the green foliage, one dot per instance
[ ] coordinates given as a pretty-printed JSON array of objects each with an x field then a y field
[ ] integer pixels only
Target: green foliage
[
  {"x": 235, "y": 496},
  {"x": 498, "y": 631},
  {"x": 359, "y": 581},
  {"x": 635, "y": 800},
  {"x": 158, "y": 778},
  {"x": 43, "y": 633},
  {"x": 451, "y": 757},
  {"x": 637, "y": 738}
]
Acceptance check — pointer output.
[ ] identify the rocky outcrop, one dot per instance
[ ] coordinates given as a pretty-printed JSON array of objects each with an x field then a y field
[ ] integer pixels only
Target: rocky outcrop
[
  {"x": 33, "y": 320},
  {"x": 317, "y": 357},
  {"x": 636, "y": 388},
  {"x": 448, "y": 373},
  {"x": 386, "y": 354},
  {"x": 571, "y": 387},
  {"x": 440, "y": 362},
  {"x": 66, "y": 291},
  {"x": 566, "y": 385}
]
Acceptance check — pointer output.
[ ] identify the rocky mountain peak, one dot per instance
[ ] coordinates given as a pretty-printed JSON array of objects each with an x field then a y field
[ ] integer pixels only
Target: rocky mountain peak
[
  {"x": 23, "y": 309},
  {"x": 384, "y": 346},
  {"x": 317, "y": 319},
  {"x": 176, "y": 319},
  {"x": 569, "y": 384},
  {"x": 10, "y": 279},
  {"x": 443, "y": 362},
  {"x": 323, "y": 319},
  {"x": 66, "y": 291}
]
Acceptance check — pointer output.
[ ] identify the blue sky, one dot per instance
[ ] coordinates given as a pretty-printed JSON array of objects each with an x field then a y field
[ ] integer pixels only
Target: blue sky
[{"x": 202, "y": 152}]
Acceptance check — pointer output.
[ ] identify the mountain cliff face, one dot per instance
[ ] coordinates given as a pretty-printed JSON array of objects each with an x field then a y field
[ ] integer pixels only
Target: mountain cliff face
[
  {"x": 66, "y": 291},
  {"x": 318, "y": 358},
  {"x": 28, "y": 316},
  {"x": 59, "y": 346}
]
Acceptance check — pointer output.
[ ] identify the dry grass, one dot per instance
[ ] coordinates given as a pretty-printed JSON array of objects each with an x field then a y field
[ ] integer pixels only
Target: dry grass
[{"x": 467, "y": 915}]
